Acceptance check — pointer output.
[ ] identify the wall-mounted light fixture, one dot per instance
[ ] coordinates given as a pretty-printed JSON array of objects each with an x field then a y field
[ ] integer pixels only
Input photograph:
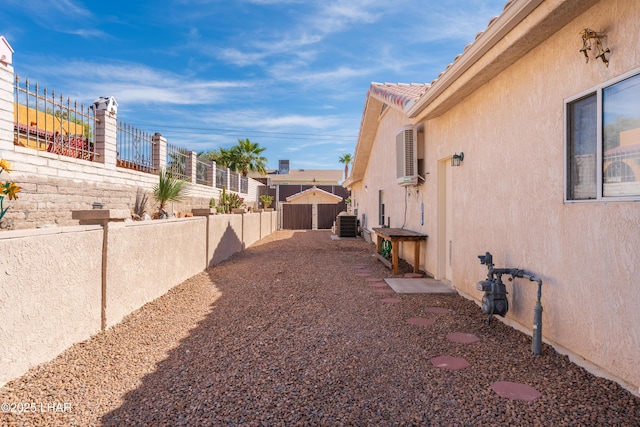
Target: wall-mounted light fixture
[
  {"x": 587, "y": 39},
  {"x": 456, "y": 159}
]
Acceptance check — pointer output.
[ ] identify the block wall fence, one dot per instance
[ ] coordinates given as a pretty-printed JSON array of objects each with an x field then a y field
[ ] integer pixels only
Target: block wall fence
[{"x": 61, "y": 285}]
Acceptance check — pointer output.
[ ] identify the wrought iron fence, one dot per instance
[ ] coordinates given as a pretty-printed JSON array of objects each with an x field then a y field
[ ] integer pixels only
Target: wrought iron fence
[
  {"x": 202, "y": 173},
  {"x": 244, "y": 184},
  {"x": 177, "y": 162},
  {"x": 134, "y": 148},
  {"x": 43, "y": 121},
  {"x": 221, "y": 177},
  {"x": 234, "y": 182}
]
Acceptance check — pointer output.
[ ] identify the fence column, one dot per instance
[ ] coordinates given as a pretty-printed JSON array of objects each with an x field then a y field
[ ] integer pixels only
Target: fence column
[
  {"x": 227, "y": 184},
  {"x": 6, "y": 98},
  {"x": 211, "y": 174},
  {"x": 106, "y": 134},
  {"x": 191, "y": 170},
  {"x": 159, "y": 151}
]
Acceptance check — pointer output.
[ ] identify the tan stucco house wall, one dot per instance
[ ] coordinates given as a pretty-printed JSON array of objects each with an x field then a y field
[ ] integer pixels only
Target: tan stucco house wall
[{"x": 506, "y": 111}]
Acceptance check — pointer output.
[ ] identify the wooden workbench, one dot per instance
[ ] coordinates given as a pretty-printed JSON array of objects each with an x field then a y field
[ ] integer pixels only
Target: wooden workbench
[{"x": 395, "y": 236}]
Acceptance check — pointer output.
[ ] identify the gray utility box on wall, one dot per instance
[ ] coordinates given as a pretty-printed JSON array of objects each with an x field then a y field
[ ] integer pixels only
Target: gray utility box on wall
[{"x": 346, "y": 225}]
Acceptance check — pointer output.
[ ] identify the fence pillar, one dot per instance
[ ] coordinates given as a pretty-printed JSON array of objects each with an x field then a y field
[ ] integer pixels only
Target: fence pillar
[
  {"x": 159, "y": 151},
  {"x": 191, "y": 169},
  {"x": 211, "y": 174},
  {"x": 227, "y": 184},
  {"x": 6, "y": 101},
  {"x": 106, "y": 136}
]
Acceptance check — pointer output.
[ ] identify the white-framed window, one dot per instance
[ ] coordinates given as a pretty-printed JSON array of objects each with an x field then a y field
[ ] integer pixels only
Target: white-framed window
[{"x": 603, "y": 142}]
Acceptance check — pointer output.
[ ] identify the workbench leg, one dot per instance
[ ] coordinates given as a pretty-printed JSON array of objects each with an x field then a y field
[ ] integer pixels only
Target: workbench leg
[
  {"x": 416, "y": 256},
  {"x": 394, "y": 255},
  {"x": 378, "y": 242}
]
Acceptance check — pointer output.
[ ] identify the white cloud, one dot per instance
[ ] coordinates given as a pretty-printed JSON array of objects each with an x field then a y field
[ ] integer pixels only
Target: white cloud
[
  {"x": 139, "y": 84},
  {"x": 241, "y": 59}
]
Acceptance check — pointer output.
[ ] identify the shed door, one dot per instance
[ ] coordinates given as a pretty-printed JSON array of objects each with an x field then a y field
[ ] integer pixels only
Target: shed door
[{"x": 296, "y": 217}]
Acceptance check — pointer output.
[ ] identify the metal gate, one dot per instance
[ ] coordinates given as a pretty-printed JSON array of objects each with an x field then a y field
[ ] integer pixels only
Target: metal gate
[
  {"x": 327, "y": 215},
  {"x": 297, "y": 217},
  {"x": 300, "y": 217}
]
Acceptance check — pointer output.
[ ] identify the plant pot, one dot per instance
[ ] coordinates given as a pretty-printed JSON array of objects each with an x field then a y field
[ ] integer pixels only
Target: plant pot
[{"x": 237, "y": 210}]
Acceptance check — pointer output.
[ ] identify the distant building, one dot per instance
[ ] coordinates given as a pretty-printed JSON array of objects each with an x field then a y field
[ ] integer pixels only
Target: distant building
[{"x": 294, "y": 187}]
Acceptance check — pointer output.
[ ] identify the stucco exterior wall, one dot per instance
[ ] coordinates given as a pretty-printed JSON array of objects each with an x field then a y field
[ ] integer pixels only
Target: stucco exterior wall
[
  {"x": 225, "y": 237},
  {"x": 266, "y": 225},
  {"x": 381, "y": 175},
  {"x": 146, "y": 259},
  {"x": 50, "y": 293},
  {"x": 250, "y": 228},
  {"x": 507, "y": 197}
]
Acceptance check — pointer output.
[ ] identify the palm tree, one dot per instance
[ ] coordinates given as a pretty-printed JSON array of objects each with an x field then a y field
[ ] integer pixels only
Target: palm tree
[
  {"x": 346, "y": 159},
  {"x": 168, "y": 189},
  {"x": 247, "y": 157},
  {"x": 223, "y": 157}
]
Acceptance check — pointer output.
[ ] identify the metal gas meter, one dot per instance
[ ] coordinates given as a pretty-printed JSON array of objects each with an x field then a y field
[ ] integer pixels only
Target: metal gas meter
[{"x": 495, "y": 300}]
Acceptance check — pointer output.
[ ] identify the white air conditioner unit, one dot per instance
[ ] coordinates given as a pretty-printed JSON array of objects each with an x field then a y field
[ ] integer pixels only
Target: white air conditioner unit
[{"x": 407, "y": 156}]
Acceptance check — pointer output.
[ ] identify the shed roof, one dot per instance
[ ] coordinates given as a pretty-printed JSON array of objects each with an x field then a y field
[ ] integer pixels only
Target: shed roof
[{"x": 314, "y": 189}]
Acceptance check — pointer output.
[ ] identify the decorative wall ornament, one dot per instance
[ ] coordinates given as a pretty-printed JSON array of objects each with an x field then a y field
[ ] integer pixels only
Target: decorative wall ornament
[{"x": 588, "y": 36}]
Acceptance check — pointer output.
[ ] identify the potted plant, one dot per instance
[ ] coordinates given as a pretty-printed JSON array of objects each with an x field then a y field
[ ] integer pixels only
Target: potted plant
[
  {"x": 266, "y": 202},
  {"x": 235, "y": 203},
  {"x": 231, "y": 202}
]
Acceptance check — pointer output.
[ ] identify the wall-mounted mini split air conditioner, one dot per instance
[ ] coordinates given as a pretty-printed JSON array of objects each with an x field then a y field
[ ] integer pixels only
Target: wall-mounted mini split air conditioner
[{"x": 407, "y": 156}]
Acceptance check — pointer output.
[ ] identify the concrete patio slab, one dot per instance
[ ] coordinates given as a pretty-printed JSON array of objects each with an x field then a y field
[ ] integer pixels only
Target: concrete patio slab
[{"x": 419, "y": 286}]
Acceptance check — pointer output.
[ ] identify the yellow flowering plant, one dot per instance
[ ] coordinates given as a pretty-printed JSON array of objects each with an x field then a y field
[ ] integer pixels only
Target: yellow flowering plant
[{"x": 7, "y": 188}]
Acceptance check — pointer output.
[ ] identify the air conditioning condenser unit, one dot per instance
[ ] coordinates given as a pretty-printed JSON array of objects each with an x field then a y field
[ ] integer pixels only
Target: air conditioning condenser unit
[{"x": 407, "y": 156}]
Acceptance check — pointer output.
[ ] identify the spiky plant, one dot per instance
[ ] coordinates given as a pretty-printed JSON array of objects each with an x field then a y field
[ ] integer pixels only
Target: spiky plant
[
  {"x": 140, "y": 206},
  {"x": 168, "y": 189}
]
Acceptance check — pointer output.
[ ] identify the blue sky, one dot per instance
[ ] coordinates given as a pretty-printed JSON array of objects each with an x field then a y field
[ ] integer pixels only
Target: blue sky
[{"x": 291, "y": 75}]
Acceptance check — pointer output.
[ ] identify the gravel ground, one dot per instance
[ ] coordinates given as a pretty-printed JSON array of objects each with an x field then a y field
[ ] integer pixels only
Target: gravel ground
[{"x": 292, "y": 332}]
